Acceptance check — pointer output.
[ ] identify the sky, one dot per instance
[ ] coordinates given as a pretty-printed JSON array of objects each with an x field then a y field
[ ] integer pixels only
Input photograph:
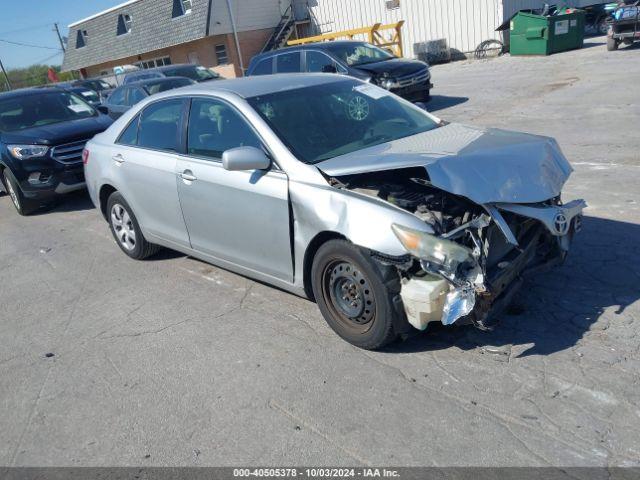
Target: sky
[{"x": 31, "y": 22}]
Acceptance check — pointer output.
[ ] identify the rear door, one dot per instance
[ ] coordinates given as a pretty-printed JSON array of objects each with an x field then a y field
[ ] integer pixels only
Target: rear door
[
  {"x": 237, "y": 216},
  {"x": 145, "y": 161}
]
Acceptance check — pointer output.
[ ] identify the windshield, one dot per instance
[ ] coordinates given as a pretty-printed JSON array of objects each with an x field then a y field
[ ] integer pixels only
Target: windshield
[
  {"x": 355, "y": 54},
  {"x": 337, "y": 118},
  {"x": 168, "y": 85},
  {"x": 197, "y": 73},
  {"x": 28, "y": 111}
]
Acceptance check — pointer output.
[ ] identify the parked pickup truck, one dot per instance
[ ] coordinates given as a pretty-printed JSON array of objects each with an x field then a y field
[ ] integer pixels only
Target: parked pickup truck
[{"x": 624, "y": 27}]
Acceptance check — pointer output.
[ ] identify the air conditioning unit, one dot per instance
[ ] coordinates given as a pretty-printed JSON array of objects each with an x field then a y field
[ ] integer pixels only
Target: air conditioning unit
[
  {"x": 392, "y": 4},
  {"x": 433, "y": 51}
]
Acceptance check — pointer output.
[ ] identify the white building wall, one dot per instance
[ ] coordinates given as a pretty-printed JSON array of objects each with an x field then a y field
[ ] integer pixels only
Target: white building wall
[
  {"x": 248, "y": 14},
  {"x": 464, "y": 23}
]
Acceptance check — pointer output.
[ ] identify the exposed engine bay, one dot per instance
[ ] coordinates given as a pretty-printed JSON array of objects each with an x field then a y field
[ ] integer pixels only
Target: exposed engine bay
[{"x": 475, "y": 255}]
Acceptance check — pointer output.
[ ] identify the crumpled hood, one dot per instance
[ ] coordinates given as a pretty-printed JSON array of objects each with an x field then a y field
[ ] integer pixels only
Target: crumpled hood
[{"x": 484, "y": 165}]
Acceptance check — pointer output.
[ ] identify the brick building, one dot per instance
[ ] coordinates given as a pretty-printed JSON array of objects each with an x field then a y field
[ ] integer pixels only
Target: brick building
[{"x": 150, "y": 33}]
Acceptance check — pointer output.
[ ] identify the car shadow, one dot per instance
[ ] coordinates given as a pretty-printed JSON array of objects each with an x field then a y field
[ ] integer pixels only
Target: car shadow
[
  {"x": 555, "y": 309},
  {"x": 69, "y": 202},
  {"x": 440, "y": 102}
]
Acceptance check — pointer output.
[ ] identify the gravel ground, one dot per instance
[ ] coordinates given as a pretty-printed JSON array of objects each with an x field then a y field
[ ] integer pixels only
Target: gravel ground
[{"x": 175, "y": 362}]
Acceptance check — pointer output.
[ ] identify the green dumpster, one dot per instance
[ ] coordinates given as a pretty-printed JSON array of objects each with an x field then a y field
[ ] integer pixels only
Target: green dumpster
[{"x": 537, "y": 35}]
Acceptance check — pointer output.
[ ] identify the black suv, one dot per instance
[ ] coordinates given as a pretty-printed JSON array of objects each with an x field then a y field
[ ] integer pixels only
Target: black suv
[
  {"x": 42, "y": 135},
  {"x": 410, "y": 79}
]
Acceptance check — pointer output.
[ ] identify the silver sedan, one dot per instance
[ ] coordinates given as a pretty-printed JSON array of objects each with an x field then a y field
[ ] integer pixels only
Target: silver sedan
[{"x": 337, "y": 190}]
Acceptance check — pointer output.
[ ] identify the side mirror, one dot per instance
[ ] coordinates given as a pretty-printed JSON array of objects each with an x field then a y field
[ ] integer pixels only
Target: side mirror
[
  {"x": 245, "y": 158},
  {"x": 329, "y": 69},
  {"x": 103, "y": 109}
]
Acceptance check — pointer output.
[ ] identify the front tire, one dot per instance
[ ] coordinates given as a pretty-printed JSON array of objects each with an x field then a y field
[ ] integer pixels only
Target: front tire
[
  {"x": 612, "y": 44},
  {"x": 355, "y": 295},
  {"x": 22, "y": 205},
  {"x": 126, "y": 230}
]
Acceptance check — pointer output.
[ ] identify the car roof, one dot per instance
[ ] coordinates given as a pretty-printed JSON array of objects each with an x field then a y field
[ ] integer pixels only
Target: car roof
[
  {"x": 153, "y": 81},
  {"x": 175, "y": 65},
  {"x": 307, "y": 46},
  {"x": 263, "y": 84},
  {"x": 27, "y": 92}
]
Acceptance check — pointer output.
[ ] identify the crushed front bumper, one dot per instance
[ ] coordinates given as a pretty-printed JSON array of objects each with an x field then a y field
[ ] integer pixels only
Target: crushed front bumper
[{"x": 541, "y": 246}]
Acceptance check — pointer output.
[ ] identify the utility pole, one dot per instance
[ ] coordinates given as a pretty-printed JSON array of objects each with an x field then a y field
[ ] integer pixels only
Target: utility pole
[
  {"x": 235, "y": 37},
  {"x": 57, "y": 30},
  {"x": 6, "y": 77}
]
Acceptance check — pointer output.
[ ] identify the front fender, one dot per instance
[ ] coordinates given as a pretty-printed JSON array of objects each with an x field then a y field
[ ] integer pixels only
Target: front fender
[{"x": 363, "y": 220}]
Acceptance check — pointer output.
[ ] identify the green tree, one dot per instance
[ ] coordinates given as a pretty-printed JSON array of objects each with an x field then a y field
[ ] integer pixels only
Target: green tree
[{"x": 33, "y": 76}]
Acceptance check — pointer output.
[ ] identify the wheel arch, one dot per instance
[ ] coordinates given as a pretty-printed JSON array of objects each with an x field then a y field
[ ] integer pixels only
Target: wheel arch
[
  {"x": 314, "y": 245},
  {"x": 103, "y": 195}
]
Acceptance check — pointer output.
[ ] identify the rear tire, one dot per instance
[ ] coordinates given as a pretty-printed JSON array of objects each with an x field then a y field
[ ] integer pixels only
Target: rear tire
[
  {"x": 602, "y": 26},
  {"x": 22, "y": 205},
  {"x": 355, "y": 295},
  {"x": 126, "y": 230},
  {"x": 612, "y": 44}
]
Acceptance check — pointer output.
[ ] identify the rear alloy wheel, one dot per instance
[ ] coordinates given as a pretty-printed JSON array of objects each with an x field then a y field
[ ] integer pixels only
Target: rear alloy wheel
[
  {"x": 354, "y": 294},
  {"x": 23, "y": 206},
  {"x": 125, "y": 229}
]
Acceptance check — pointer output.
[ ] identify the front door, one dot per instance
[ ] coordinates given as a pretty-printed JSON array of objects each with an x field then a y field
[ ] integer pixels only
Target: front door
[{"x": 238, "y": 216}]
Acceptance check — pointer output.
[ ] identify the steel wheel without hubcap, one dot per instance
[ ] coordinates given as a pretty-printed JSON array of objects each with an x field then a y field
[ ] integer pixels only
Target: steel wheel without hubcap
[
  {"x": 123, "y": 227},
  {"x": 349, "y": 295}
]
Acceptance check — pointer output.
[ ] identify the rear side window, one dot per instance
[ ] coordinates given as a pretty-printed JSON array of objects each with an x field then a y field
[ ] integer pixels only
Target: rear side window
[
  {"x": 288, "y": 63},
  {"x": 117, "y": 96},
  {"x": 159, "y": 125},
  {"x": 215, "y": 127},
  {"x": 264, "y": 67},
  {"x": 129, "y": 135}
]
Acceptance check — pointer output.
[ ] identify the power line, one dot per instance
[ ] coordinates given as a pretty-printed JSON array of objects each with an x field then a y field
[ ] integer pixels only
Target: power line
[
  {"x": 39, "y": 62},
  {"x": 24, "y": 29},
  {"x": 28, "y": 45}
]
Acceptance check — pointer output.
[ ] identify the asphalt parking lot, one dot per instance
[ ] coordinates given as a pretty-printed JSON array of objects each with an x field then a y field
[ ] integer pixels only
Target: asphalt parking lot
[{"x": 175, "y": 362}]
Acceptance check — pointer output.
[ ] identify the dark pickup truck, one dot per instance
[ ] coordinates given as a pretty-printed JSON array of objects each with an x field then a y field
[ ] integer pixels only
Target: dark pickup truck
[{"x": 624, "y": 27}]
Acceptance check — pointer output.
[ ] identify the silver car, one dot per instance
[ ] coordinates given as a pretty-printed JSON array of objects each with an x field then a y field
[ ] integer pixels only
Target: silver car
[{"x": 337, "y": 190}]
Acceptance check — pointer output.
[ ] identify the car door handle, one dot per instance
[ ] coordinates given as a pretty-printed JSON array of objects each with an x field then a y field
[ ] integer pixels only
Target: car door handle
[
  {"x": 118, "y": 158},
  {"x": 188, "y": 176}
]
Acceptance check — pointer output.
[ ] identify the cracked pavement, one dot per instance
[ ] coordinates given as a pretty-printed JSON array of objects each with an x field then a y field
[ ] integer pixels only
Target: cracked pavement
[{"x": 175, "y": 362}]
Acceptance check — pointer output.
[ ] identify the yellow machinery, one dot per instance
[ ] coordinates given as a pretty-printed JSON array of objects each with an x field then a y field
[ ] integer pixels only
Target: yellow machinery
[{"x": 373, "y": 33}]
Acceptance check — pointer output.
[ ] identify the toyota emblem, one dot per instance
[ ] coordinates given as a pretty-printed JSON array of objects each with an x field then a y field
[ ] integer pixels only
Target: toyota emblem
[{"x": 561, "y": 224}]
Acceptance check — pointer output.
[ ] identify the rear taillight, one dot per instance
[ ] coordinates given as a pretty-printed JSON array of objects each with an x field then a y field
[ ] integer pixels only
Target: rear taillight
[{"x": 85, "y": 156}]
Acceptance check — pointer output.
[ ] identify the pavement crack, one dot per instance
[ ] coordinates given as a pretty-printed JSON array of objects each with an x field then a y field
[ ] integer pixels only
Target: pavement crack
[{"x": 309, "y": 426}]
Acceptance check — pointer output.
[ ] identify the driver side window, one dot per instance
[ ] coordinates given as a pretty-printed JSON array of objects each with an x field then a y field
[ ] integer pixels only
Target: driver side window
[{"x": 215, "y": 126}]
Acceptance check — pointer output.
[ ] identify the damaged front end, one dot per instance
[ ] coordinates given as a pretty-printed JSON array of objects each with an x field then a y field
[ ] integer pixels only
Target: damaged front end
[{"x": 466, "y": 266}]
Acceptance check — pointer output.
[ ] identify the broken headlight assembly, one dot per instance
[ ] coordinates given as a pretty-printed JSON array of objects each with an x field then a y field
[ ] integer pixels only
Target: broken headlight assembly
[{"x": 443, "y": 255}]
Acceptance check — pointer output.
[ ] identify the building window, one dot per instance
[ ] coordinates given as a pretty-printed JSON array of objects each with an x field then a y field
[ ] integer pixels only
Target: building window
[
  {"x": 154, "y": 62},
  {"x": 181, "y": 7},
  {"x": 124, "y": 24},
  {"x": 81, "y": 38},
  {"x": 221, "y": 55}
]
